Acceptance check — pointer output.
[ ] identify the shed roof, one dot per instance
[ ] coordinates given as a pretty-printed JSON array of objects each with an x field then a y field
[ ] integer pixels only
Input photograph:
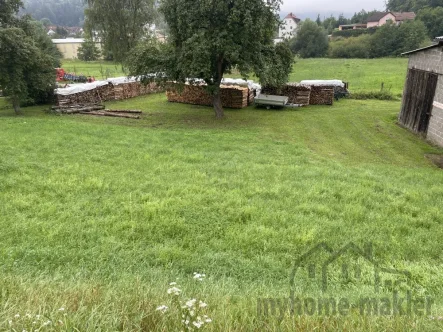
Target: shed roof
[
  {"x": 404, "y": 16},
  {"x": 440, "y": 43}
]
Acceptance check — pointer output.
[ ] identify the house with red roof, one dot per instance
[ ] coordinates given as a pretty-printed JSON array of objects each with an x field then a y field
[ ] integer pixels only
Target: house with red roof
[{"x": 288, "y": 26}]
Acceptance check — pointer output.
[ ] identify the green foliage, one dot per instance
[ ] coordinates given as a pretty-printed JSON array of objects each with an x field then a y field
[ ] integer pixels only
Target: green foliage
[
  {"x": 412, "y": 5},
  {"x": 392, "y": 40},
  {"x": 88, "y": 51},
  {"x": 27, "y": 61},
  {"x": 120, "y": 24},
  {"x": 378, "y": 95},
  {"x": 353, "y": 33},
  {"x": 278, "y": 66},
  {"x": 210, "y": 38},
  {"x": 354, "y": 47},
  {"x": 311, "y": 40},
  {"x": 362, "y": 16},
  {"x": 433, "y": 20},
  {"x": 388, "y": 40},
  {"x": 8, "y": 9}
]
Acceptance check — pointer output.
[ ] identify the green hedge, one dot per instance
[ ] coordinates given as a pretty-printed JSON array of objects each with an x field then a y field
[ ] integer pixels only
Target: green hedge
[{"x": 353, "y": 33}]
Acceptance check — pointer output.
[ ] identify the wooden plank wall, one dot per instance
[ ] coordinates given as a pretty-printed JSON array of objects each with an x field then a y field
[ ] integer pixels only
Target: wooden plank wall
[{"x": 417, "y": 101}]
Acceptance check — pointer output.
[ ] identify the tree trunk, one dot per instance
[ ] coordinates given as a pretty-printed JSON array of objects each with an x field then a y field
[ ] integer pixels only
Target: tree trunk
[
  {"x": 218, "y": 108},
  {"x": 16, "y": 105}
]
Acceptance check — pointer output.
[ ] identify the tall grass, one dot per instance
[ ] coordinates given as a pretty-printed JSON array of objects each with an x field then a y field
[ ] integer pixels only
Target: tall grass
[{"x": 99, "y": 215}]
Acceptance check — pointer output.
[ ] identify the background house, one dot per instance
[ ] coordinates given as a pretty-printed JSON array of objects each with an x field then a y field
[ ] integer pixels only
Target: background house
[
  {"x": 379, "y": 19},
  {"x": 288, "y": 27},
  {"x": 422, "y": 107}
]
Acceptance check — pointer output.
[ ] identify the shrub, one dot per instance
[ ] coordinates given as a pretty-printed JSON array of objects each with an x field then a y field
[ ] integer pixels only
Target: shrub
[{"x": 354, "y": 47}]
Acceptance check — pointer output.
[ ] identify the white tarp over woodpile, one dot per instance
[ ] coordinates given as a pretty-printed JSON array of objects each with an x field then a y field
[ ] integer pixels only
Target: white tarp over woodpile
[
  {"x": 78, "y": 88},
  {"x": 337, "y": 83}
]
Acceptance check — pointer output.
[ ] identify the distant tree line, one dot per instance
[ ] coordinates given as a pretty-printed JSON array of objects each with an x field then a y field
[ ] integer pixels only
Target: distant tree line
[
  {"x": 388, "y": 40},
  {"x": 58, "y": 12}
]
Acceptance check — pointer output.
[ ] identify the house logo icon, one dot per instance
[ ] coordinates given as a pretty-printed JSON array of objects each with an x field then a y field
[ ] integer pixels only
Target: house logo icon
[
  {"x": 341, "y": 263},
  {"x": 328, "y": 282}
]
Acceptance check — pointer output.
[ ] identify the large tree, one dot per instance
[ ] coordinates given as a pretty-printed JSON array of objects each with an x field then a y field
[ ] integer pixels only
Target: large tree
[
  {"x": 311, "y": 40},
  {"x": 209, "y": 38},
  {"x": 120, "y": 24},
  {"x": 27, "y": 59}
]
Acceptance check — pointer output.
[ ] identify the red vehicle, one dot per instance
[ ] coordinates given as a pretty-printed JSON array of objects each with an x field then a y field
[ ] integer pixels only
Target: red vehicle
[{"x": 60, "y": 72}]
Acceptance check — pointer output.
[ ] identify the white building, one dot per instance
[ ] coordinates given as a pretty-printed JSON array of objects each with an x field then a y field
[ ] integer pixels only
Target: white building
[{"x": 288, "y": 27}]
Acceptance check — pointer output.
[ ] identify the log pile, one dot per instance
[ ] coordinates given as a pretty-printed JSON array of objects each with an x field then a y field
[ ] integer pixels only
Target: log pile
[
  {"x": 96, "y": 109},
  {"x": 109, "y": 92},
  {"x": 297, "y": 94},
  {"x": 322, "y": 95},
  {"x": 231, "y": 96}
]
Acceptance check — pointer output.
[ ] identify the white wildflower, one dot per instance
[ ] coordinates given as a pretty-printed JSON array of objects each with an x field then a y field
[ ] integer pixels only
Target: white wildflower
[
  {"x": 162, "y": 309},
  {"x": 37, "y": 316},
  {"x": 207, "y": 319},
  {"x": 202, "y": 304},
  {"x": 47, "y": 323},
  {"x": 174, "y": 291},
  {"x": 197, "y": 324},
  {"x": 191, "y": 303},
  {"x": 10, "y": 322},
  {"x": 17, "y": 316},
  {"x": 61, "y": 309},
  {"x": 199, "y": 276},
  {"x": 173, "y": 283}
]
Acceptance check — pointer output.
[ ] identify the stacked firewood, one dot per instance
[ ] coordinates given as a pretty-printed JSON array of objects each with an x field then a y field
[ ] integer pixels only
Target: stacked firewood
[
  {"x": 96, "y": 109},
  {"x": 322, "y": 95},
  {"x": 231, "y": 96},
  {"x": 297, "y": 94}
]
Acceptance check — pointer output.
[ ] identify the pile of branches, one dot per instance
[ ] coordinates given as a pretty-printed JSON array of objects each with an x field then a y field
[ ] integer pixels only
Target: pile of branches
[{"x": 96, "y": 109}]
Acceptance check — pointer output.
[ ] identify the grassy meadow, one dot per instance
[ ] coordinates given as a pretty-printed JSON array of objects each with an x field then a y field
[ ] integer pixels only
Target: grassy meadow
[
  {"x": 363, "y": 75},
  {"x": 99, "y": 215}
]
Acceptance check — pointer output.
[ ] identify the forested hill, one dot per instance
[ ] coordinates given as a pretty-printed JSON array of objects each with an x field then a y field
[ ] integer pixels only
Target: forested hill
[
  {"x": 412, "y": 5},
  {"x": 59, "y": 12}
]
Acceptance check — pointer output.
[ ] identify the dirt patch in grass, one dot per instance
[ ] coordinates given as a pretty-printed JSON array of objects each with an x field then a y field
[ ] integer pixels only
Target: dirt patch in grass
[{"x": 437, "y": 159}]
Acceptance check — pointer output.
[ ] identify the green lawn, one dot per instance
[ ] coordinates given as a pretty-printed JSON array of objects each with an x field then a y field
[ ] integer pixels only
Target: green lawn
[
  {"x": 98, "y": 69},
  {"x": 363, "y": 75},
  {"x": 98, "y": 215}
]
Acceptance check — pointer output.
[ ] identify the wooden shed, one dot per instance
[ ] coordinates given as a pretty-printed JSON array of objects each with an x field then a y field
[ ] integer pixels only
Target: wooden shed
[{"x": 422, "y": 107}]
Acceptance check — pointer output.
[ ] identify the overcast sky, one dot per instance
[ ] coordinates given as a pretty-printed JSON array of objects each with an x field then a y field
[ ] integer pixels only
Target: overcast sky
[{"x": 305, "y": 9}]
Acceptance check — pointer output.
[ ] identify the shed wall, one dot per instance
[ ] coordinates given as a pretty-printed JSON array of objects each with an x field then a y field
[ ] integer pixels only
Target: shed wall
[{"x": 432, "y": 60}]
